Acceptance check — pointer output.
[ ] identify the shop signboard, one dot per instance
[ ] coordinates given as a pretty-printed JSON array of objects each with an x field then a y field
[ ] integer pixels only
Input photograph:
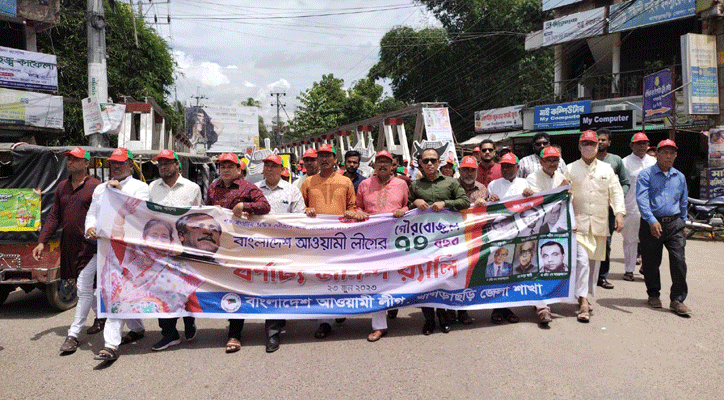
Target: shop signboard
[{"x": 564, "y": 115}]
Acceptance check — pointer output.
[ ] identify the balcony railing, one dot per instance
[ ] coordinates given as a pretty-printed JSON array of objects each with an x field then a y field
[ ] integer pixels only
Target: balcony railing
[{"x": 596, "y": 87}]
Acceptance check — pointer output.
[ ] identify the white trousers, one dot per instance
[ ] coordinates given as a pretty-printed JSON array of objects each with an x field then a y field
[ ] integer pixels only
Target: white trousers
[
  {"x": 86, "y": 297},
  {"x": 630, "y": 235},
  {"x": 586, "y": 274},
  {"x": 379, "y": 320},
  {"x": 113, "y": 330}
]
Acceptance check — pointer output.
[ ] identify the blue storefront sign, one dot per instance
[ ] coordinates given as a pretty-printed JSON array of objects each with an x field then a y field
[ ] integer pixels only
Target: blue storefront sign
[
  {"x": 657, "y": 95},
  {"x": 638, "y": 13},
  {"x": 9, "y": 7},
  {"x": 564, "y": 115}
]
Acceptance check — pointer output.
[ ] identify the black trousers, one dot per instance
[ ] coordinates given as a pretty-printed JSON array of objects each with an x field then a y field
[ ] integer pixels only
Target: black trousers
[
  {"x": 168, "y": 326},
  {"x": 271, "y": 326},
  {"x": 606, "y": 264},
  {"x": 430, "y": 312},
  {"x": 673, "y": 238}
]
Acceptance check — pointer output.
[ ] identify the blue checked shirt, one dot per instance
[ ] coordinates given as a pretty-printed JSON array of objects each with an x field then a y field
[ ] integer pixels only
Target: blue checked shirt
[{"x": 661, "y": 195}]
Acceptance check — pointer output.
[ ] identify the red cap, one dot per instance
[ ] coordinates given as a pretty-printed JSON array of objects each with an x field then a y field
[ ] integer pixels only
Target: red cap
[
  {"x": 120, "y": 154},
  {"x": 509, "y": 158},
  {"x": 285, "y": 173},
  {"x": 469, "y": 162},
  {"x": 667, "y": 143},
  {"x": 550, "y": 151},
  {"x": 310, "y": 153},
  {"x": 588, "y": 136},
  {"x": 79, "y": 153},
  {"x": 327, "y": 148},
  {"x": 167, "y": 154},
  {"x": 274, "y": 157},
  {"x": 228, "y": 157},
  {"x": 450, "y": 161},
  {"x": 476, "y": 149},
  {"x": 639, "y": 137},
  {"x": 405, "y": 160},
  {"x": 383, "y": 153}
]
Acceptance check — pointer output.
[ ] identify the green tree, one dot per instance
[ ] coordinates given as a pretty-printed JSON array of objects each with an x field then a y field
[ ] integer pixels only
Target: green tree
[
  {"x": 476, "y": 61},
  {"x": 138, "y": 72}
]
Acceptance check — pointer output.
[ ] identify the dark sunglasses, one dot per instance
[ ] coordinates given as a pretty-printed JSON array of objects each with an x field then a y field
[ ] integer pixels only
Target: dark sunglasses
[
  {"x": 539, "y": 144},
  {"x": 487, "y": 150},
  {"x": 428, "y": 160}
]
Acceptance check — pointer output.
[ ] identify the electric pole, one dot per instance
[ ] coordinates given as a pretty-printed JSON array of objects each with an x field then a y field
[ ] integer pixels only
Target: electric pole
[
  {"x": 198, "y": 96},
  {"x": 277, "y": 127},
  {"x": 97, "y": 75}
]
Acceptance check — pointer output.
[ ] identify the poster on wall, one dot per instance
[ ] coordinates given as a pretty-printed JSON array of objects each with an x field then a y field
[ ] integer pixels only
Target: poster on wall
[
  {"x": 223, "y": 129},
  {"x": 699, "y": 67},
  {"x": 498, "y": 119},
  {"x": 657, "y": 95},
  {"x": 42, "y": 110},
  {"x": 28, "y": 70}
]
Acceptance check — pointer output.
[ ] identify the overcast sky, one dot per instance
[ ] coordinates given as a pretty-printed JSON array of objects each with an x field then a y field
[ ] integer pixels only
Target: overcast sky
[{"x": 231, "y": 50}]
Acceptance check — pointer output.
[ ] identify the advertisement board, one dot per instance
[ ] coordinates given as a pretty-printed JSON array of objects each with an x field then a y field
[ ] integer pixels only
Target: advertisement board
[
  {"x": 575, "y": 26},
  {"x": 41, "y": 110},
  {"x": 223, "y": 128},
  {"x": 699, "y": 68},
  {"x": 551, "y": 4},
  {"x": 564, "y": 115},
  {"x": 498, "y": 119},
  {"x": 637, "y": 13},
  {"x": 28, "y": 70},
  {"x": 657, "y": 95},
  {"x": 438, "y": 129},
  {"x": 622, "y": 119}
]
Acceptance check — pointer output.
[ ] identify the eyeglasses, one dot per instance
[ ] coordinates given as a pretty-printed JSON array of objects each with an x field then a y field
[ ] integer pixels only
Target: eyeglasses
[
  {"x": 487, "y": 150},
  {"x": 539, "y": 144},
  {"x": 429, "y": 160}
]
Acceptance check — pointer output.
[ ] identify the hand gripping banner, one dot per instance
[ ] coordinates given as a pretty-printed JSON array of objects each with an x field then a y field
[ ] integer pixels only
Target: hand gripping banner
[{"x": 158, "y": 261}]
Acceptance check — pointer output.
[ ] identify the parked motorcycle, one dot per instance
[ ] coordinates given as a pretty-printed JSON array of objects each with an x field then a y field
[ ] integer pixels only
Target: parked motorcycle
[{"x": 705, "y": 216}]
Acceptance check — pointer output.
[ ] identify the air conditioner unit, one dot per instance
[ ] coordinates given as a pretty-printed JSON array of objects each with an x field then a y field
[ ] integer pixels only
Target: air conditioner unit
[{"x": 616, "y": 107}]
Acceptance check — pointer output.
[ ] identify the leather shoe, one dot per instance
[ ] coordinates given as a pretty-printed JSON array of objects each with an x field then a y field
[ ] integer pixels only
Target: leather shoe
[
  {"x": 69, "y": 346},
  {"x": 392, "y": 314},
  {"x": 464, "y": 318},
  {"x": 445, "y": 328},
  {"x": 272, "y": 343},
  {"x": 428, "y": 328},
  {"x": 605, "y": 284},
  {"x": 654, "y": 302},
  {"x": 679, "y": 308},
  {"x": 376, "y": 335},
  {"x": 97, "y": 326},
  {"x": 323, "y": 331}
]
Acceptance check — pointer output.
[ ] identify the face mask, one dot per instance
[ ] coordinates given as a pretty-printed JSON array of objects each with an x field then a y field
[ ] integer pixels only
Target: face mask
[{"x": 589, "y": 152}]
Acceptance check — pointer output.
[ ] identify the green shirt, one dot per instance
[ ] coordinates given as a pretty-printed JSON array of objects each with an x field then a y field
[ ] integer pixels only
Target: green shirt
[
  {"x": 617, "y": 164},
  {"x": 443, "y": 188}
]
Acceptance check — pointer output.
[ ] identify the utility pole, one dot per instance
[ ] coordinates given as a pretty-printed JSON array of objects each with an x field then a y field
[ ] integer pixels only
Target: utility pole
[
  {"x": 97, "y": 74},
  {"x": 277, "y": 128},
  {"x": 198, "y": 96}
]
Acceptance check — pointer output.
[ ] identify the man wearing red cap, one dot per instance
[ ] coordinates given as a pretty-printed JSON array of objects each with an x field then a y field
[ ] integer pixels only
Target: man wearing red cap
[
  {"x": 476, "y": 191},
  {"x": 531, "y": 163},
  {"x": 176, "y": 191},
  {"x": 310, "y": 165},
  {"x": 508, "y": 185},
  {"x": 546, "y": 178},
  {"x": 634, "y": 163},
  {"x": 283, "y": 198},
  {"x": 594, "y": 187},
  {"x": 121, "y": 167},
  {"x": 72, "y": 200},
  {"x": 331, "y": 194},
  {"x": 488, "y": 169},
  {"x": 234, "y": 193},
  {"x": 382, "y": 193},
  {"x": 661, "y": 195},
  {"x": 604, "y": 142}
]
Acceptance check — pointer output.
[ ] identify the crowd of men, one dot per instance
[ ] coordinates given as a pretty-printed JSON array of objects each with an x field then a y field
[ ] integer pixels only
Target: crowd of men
[{"x": 641, "y": 196}]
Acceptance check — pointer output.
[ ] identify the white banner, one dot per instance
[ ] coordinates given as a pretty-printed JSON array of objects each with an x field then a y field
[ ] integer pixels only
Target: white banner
[
  {"x": 699, "y": 66},
  {"x": 499, "y": 118},
  {"x": 31, "y": 109},
  {"x": 223, "y": 128},
  {"x": 28, "y": 70},
  {"x": 575, "y": 26},
  {"x": 438, "y": 129}
]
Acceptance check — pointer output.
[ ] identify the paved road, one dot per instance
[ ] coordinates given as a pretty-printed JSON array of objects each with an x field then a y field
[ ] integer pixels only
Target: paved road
[{"x": 627, "y": 351}]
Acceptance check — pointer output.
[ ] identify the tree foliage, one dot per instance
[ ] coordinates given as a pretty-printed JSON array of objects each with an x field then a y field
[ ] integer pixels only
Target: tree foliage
[
  {"x": 138, "y": 72},
  {"x": 476, "y": 61},
  {"x": 326, "y": 105}
]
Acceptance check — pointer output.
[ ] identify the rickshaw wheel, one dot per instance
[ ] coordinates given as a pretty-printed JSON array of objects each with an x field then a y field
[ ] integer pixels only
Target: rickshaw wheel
[{"x": 62, "y": 294}]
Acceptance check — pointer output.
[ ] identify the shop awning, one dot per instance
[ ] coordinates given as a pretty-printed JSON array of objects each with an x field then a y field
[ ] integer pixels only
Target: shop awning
[
  {"x": 495, "y": 137},
  {"x": 576, "y": 131}
]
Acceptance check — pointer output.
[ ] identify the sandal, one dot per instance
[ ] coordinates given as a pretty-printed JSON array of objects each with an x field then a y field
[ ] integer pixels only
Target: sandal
[
  {"x": 510, "y": 316},
  {"x": 584, "y": 313},
  {"x": 233, "y": 345},
  {"x": 497, "y": 316},
  {"x": 628, "y": 276},
  {"x": 544, "y": 316},
  {"x": 107, "y": 354},
  {"x": 132, "y": 337}
]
